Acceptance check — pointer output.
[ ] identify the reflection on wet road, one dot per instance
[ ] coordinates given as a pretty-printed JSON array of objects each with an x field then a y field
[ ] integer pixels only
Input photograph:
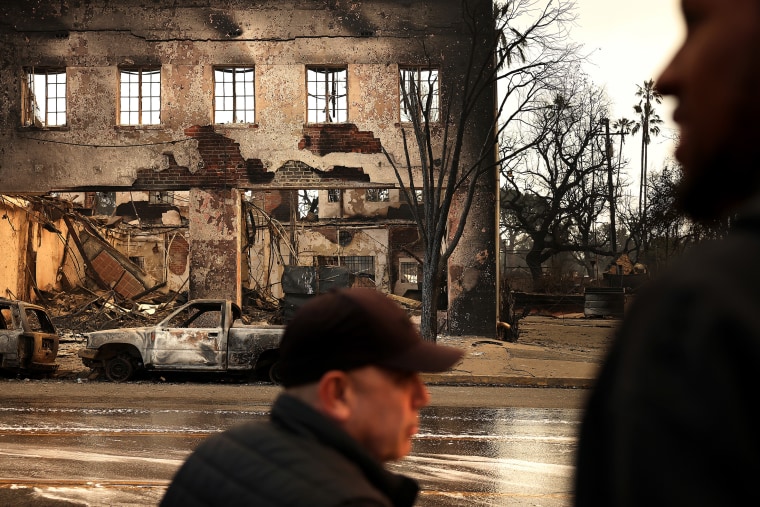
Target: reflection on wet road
[
  {"x": 105, "y": 456},
  {"x": 490, "y": 457}
]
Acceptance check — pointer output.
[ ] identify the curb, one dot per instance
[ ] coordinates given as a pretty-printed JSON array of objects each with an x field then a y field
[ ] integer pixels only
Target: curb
[{"x": 508, "y": 381}]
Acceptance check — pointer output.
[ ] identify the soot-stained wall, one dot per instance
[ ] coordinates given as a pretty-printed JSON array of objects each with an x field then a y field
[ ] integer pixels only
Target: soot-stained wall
[{"x": 92, "y": 40}]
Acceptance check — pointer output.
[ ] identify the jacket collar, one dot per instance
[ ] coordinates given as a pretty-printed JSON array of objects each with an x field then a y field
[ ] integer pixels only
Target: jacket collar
[{"x": 298, "y": 417}]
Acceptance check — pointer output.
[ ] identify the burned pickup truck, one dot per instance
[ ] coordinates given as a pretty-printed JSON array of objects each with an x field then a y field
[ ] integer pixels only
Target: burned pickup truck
[
  {"x": 204, "y": 335},
  {"x": 28, "y": 339}
]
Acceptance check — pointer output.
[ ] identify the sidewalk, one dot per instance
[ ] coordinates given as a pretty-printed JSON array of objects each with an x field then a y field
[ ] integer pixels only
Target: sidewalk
[
  {"x": 550, "y": 357},
  {"x": 562, "y": 351}
]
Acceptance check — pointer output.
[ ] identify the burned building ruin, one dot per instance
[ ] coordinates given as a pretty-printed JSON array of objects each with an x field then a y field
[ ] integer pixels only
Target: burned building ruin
[{"x": 215, "y": 145}]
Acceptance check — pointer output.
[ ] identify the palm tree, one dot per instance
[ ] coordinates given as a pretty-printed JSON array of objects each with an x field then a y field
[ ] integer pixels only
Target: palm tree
[
  {"x": 649, "y": 125},
  {"x": 622, "y": 127}
]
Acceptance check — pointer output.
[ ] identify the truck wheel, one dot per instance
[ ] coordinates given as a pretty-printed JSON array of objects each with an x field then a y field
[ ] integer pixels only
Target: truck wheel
[
  {"x": 274, "y": 373},
  {"x": 119, "y": 368}
]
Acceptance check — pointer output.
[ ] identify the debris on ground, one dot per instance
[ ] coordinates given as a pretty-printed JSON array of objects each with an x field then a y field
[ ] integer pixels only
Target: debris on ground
[{"x": 83, "y": 310}]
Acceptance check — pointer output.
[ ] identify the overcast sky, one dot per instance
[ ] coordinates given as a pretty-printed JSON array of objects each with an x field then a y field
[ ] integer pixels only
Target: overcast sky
[{"x": 630, "y": 41}]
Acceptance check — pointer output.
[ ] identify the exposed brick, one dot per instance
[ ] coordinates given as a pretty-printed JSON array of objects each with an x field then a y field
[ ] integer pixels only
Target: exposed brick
[
  {"x": 178, "y": 254},
  {"x": 224, "y": 166},
  {"x": 338, "y": 138},
  {"x": 295, "y": 173},
  {"x": 112, "y": 273}
]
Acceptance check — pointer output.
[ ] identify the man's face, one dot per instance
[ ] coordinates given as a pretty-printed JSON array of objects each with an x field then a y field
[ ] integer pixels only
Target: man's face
[
  {"x": 385, "y": 410},
  {"x": 716, "y": 79}
]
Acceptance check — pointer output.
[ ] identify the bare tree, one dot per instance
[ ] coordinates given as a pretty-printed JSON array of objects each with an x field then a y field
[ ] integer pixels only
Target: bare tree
[
  {"x": 516, "y": 45},
  {"x": 557, "y": 192}
]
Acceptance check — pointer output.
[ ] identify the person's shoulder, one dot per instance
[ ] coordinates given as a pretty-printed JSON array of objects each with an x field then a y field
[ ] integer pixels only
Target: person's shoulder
[
  {"x": 714, "y": 282},
  {"x": 730, "y": 261}
]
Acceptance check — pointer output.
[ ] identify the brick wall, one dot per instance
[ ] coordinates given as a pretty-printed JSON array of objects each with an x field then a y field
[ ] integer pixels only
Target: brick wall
[
  {"x": 223, "y": 166},
  {"x": 178, "y": 254},
  {"x": 338, "y": 137},
  {"x": 299, "y": 175},
  {"x": 278, "y": 204},
  {"x": 114, "y": 275}
]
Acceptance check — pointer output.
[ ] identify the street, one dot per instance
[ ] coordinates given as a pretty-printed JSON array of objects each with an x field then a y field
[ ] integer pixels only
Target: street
[{"x": 100, "y": 443}]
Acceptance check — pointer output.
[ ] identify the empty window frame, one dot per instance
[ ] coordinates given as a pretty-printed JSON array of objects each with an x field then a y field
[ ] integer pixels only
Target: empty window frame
[
  {"x": 6, "y": 319},
  {"x": 360, "y": 265},
  {"x": 103, "y": 203},
  {"x": 333, "y": 195},
  {"x": 357, "y": 265},
  {"x": 419, "y": 93},
  {"x": 407, "y": 271},
  {"x": 198, "y": 316},
  {"x": 326, "y": 260},
  {"x": 378, "y": 195},
  {"x": 140, "y": 96},
  {"x": 44, "y": 97},
  {"x": 234, "y": 95},
  {"x": 38, "y": 321},
  {"x": 138, "y": 261},
  {"x": 308, "y": 203},
  {"x": 417, "y": 196},
  {"x": 161, "y": 197},
  {"x": 327, "y": 97}
]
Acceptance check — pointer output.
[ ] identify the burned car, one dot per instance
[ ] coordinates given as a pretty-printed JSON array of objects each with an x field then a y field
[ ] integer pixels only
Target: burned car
[
  {"x": 203, "y": 335},
  {"x": 28, "y": 338}
]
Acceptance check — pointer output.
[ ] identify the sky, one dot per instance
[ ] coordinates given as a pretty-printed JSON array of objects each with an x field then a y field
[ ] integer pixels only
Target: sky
[{"x": 629, "y": 42}]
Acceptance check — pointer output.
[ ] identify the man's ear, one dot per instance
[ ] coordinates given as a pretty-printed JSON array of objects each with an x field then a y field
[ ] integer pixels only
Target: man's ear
[{"x": 334, "y": 392}]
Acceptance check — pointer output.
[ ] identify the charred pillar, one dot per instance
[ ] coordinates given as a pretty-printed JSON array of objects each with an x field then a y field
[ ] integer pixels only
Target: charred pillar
[
  {"x": 472, "y": 266},
  {"x": 472, "y": 272},
  {"x": 215, "y": 244}
]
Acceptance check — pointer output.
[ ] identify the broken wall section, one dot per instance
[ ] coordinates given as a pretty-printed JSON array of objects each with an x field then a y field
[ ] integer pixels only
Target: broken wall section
[
  {"x": 36, "y": 256},
  {"x": 364, "y": 250},
  {"x": 112, "y": 269}
]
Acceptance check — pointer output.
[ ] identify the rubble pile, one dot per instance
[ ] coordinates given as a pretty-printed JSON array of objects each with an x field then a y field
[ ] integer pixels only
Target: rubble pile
[{"x": 83, "y": 310}]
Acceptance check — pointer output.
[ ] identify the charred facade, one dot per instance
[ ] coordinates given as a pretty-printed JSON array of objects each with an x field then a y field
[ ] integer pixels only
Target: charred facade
[{"x": 237, "y": 139}]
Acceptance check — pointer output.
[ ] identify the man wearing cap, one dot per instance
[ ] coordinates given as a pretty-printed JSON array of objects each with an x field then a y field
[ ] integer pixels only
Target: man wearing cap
[{"x": 350, "y": 363}]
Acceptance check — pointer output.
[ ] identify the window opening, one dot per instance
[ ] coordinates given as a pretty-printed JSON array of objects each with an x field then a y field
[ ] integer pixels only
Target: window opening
[
  {"x": 45, "y": 98},
  {"x": 6, "y": 319},
  {"x": 104, "y": 203},
  {"x": 159, "y": 197},
  {"x": 359, "y": 266},
  {"x": 408, "y": 272},
  {"x": 333, "y": 195},
  {"x": 197, "y": 316},
  {"x": 416, "y": 197},
  {"x": 234, "y": 95},
  {"x": 417, "y": 86},
  {"x": 38, "y": 321},
  {"x": 327, "y": 99},
  {"x": 308, "y": 203},
  {"x": 327, "y": 260},
  {"x": 138, "y": 261},
  {"x": 378, "y": 195},
  {"x": 140, "y": 96}
]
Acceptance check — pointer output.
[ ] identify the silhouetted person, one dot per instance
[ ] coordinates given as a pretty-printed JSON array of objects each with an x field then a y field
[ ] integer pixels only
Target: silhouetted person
[{"x": 672, "y": 420}]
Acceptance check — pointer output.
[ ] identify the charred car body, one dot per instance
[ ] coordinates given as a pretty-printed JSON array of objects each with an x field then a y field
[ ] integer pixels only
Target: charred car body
[
  {"x": 204, "y": 335},
  {"x": 28, "y": 338}
]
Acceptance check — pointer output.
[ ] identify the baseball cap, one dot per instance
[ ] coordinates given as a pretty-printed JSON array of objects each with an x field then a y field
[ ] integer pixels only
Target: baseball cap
[{"x": 346, "y": 329}]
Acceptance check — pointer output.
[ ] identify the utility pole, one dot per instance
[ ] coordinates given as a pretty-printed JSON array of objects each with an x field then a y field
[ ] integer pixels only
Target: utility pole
[{"x": 611, "y": 187}]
